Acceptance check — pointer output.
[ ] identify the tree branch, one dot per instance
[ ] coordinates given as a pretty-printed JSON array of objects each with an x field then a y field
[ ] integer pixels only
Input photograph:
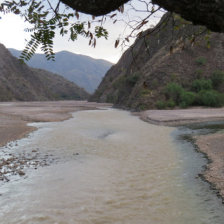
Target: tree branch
[
  {"x": 204, "y": 12},
  {"x": 95, "y": 7},
  {"x": 209, "y": 13}
]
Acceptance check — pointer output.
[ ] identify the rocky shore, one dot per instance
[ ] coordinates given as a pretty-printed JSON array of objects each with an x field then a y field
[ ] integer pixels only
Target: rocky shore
[
  {"x": 14, "y": 117},
  {"x": 212, "y": 144},
  {"x": 213, "y": 147}
]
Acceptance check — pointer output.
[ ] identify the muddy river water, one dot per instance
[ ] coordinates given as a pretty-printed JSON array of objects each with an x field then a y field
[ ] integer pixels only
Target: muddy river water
[{"x": 108, "y": 167}]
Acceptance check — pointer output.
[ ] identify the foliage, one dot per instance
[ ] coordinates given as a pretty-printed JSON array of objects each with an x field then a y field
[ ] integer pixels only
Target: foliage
[
  {"x": 187, "y": 99},
  {"x": 201, "y": 84},
  {"x": 210, "y": 98},
  {"x": 142, "y": 107},
  {"x": 174, "y": 77},
  {"x": 217, "y": 78},
  {"x": 201, "y": 60},
  {"x": 160, "y": 104},
  {"x": 45, "y": 23},
  {"x": 48, "y": 17},
  {"x": 173, "y": 91},
  {"x": 170, "y": 104},
  {"x": 199, "y": 73},
  {"x": 133, "y": 78},
  {"x": 155, "y": 83},
  {"x": 111, "y": 98},
  {"x": 203, "y": 94},
  {"x": 146, "y": 92},
  {"x": 119, "y": 82}
]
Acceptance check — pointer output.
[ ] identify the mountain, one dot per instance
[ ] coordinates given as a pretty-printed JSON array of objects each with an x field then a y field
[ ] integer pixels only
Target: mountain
[
  {"x": 175, "y": 51},
  {"x": 85, "y": 71},
  {"x": 22, "y": 83}
]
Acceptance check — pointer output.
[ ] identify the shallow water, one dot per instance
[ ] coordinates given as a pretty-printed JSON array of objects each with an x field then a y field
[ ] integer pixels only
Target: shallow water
[{"x": 110, "y": 168}]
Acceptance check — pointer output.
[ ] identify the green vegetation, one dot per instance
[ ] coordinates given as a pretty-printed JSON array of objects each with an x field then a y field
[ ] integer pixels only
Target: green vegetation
[
  {"x": 161, "y": 104},
  {"x": 170, "y": 104},
  {"x": 202, "y": 94},
  {"x": 201, "y": 84},
  {"x": 142, "y": 107},
  {"x": 174, "y": 77},
  {"x": 145, "y": 92},
  {"x": 187, "y": 99},
  {"x": 217, "y": 78},
  {"x": 199, "y": 73},
  {"x": 173, "y": 91},
  {"x": 201, "y": 60},
  {"x": 155, "y": 83},
  {"x": 118, "y": 82},
  {"x": 210, "y": 98},
  {"x": 111, "y": 98},
  {"x": 129, "y": 80},
  {"x": 133, "y": 78}
]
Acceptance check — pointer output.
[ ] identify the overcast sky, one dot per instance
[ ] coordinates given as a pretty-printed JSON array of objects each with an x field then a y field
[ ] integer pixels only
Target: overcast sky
[{"x": 13, "y": 36}]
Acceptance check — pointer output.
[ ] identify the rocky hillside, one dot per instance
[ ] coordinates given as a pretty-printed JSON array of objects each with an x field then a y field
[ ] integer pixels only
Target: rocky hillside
[
  {"x": 168, "y": 53},
  {"x": 20, "y": 82},
  {"x": 85, "y": 71}
]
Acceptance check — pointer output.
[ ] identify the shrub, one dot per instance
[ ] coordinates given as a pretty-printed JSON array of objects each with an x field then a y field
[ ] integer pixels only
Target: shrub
[
  {"x": 201, "y": 84},
  {"x": 174, "y": 77},
  {"x": 201, "y": 60},
  {"x": 142, "y": 107},
  {"x": 210, "y": 98},
  {"x": 199, "y": 73},
  {"x": 111, "y": 98},
  {"x": 133, "y": 78},
  {"x": 171, "y": 104},
  {"x": 173, "y": 91},
  {"x": 187, "y": 99},
  {"x": 145, "y": 92},
  {"x": 118, "y": 82},
  {"x": 217, "y": 78},
  {"x": 160, "y": 104},
  {"x": 155, "y": 83}
]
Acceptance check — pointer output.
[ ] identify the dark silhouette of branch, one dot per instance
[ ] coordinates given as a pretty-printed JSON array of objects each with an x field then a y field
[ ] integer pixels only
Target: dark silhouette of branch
[{"x": 209, "y": 13}]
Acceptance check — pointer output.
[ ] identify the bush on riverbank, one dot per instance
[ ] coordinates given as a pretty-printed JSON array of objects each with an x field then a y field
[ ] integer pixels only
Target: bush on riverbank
[
  {"x": 200, "y": 93},
  {"x": 201, "y": 84},
  {"x": 217, "y": 78},
  {"x": 210, "y": 98}
]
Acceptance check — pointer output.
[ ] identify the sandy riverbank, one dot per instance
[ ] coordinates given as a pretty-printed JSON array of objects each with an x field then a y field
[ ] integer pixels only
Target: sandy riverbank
[
  {"x": 212, "y": 145},
  {"x": 14, "y": 116},
  {"x": 183, "y": 116}
]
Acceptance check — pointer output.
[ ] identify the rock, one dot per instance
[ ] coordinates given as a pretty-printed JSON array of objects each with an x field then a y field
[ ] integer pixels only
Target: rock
[{"x": 21, "y": 173}]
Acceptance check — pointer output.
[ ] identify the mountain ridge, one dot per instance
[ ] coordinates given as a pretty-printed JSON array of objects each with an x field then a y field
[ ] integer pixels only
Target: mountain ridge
[
  {"x": 169, "y": 54},
  {"x": 83, "y": 70},
  {"x": 19, "y": 82}
]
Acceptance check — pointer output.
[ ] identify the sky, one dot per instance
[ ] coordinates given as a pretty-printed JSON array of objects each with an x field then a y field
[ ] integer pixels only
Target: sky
[{"x": 13, "y": 36}]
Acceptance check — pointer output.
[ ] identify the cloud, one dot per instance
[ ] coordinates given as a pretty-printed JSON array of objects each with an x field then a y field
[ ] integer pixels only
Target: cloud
[{"x": 12, "y": 31}]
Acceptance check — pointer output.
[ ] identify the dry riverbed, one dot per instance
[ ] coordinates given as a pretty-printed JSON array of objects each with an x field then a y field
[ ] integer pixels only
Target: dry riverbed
[
  {"x": 212, "y": 144},
  {"x": 14, "y": 117}
]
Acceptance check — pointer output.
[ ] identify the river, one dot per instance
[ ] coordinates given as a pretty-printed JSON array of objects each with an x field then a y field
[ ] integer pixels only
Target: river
[{"x": 109, "y": 167}]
